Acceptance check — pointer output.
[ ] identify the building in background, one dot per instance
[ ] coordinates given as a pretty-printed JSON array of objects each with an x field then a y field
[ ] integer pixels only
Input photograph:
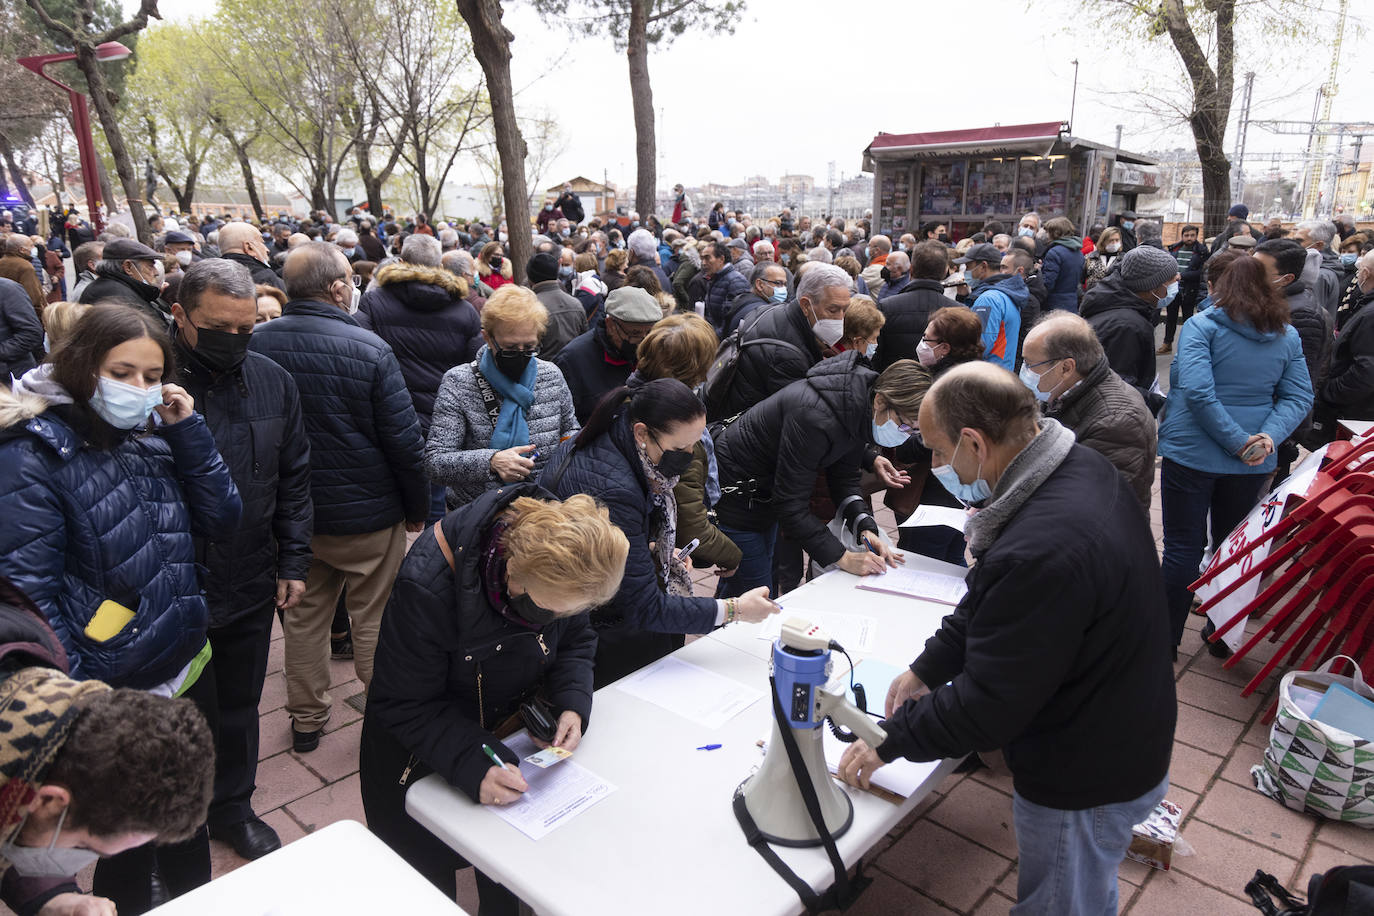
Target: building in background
[{"x": 597, "y": 198}]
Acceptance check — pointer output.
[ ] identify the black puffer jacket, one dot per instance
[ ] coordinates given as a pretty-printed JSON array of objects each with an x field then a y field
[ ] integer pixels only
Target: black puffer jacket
[
  {"x": 255, "y": 416},
  {"x": 1125, "y": 324},
  {"x": 1313, "y": 324},
  {"x": 725, "y": 287},
  {"x": 261, "y": 272},
  {"x": 420, "y": 311},
  {"x": 821, "y": 424},
  {"x": 907, "y": 314},
  {"x": 1111, "y": 418},
  {"x": 450, "y": 667},
  {"x": 767, "y": 367},
  {"x": 366, "y": 451},
  {"x": 742, "y": 309},
  {"x": 21, "y": 333},
  {"x": 590, "y": 370},
  {"x": 642, "y": 623}
]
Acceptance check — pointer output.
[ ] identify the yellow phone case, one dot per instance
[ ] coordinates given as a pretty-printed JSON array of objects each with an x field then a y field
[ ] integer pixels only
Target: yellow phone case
[{"x": 109, "y": 619}]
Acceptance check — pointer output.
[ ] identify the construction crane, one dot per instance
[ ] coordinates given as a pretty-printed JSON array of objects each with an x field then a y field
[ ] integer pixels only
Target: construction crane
[{"x": 1314, "y": 172}]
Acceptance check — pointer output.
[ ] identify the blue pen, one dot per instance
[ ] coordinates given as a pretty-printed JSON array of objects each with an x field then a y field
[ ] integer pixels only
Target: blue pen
[{"x": 709, "y": 747}]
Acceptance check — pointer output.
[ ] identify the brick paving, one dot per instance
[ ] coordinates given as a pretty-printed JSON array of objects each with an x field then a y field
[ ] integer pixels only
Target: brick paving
[{"x": 957, "y": 852}]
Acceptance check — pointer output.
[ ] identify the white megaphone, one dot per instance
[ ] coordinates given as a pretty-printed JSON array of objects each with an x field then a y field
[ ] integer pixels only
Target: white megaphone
[{"x": 772, "y": 796}]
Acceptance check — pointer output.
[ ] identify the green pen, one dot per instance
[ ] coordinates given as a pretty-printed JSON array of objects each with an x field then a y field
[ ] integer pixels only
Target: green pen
[{"x": 486, "y": 749}]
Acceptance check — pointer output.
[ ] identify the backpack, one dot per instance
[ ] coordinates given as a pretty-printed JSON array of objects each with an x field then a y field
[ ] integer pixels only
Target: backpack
[
  {"x": 1346, "y": 890},
  {"x": 720, "y": 378}
]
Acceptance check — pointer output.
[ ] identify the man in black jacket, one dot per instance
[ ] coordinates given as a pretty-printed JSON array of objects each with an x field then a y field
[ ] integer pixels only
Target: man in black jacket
[
  {"x": 21, "y": 333},
  {"x": 253, "y": 410},
  {"x": 1123, "y": 309},
  {"x": 768, "y": 286},
  {"x": 367, "y": 479},
  {"x": 788, "y": 339},
  {"x": 909, "y": 311},
  {"x": 1191, "y": 256},
  {"x": 1058, "y": 654},
  {"x": 603, "y": 358},
  {"x": 1348, "y": 390},
  {"x": 242, "y": 244},
  {"x": 127, "y": 274}
]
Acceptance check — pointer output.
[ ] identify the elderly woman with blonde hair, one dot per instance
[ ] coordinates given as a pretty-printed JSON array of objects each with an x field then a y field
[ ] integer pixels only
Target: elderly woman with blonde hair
[
  {"x": 488, "y": 616},
  {"x": 498, "y": 418}
]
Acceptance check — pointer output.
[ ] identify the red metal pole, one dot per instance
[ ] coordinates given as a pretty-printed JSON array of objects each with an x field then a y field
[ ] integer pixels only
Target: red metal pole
[{"x": 85, "y": 144}]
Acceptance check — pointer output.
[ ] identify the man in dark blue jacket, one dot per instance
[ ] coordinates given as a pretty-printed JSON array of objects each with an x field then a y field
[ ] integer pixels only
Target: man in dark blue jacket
[
  {"x": 726, "y": 283},
  {"x": 1059, "y": 652},
  {"x": 253, "y": 411},
  {"x": 367, "y": 480}
]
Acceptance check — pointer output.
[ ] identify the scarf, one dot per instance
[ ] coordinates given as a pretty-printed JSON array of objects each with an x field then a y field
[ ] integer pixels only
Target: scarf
[
  {"x": 1023, "y": 476},
  {"x": 494, "y": 573},
  {"x": 38, "y": 707},
  {"x": 671, "y": 570},
  {"x": 516, "y": 398}
]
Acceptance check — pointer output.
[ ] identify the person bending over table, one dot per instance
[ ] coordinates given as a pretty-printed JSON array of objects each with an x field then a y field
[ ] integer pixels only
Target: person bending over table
[
  {"x": 488, "y": 612},
  {"x": 1059, "y": 652},
  {"x": 827, "y": 423},
  {"x": 629, "y": 455}
]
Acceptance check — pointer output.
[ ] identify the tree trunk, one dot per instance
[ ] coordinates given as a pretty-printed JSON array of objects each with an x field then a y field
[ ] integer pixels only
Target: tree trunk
[
  {"x": 491, "y": 43},
  {"x": 245, "y": 166},
  {"x": 16, "y": 175},
  {"x": 104, "y": 109},
  {"x": 642, "y": 97},
  {"x": 1212, "y": 91},
  {"x": 102, "y": 177}
]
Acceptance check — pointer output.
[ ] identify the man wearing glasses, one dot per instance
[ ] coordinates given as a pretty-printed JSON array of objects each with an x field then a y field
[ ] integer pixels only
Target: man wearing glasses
[{"x": 603, "y": 357}]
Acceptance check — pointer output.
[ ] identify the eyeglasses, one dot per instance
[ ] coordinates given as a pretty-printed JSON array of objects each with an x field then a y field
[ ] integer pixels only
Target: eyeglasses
[
  {"x": 774, "y": 282},
  {"x": 1053, "y": 359},
  {"x": 513, "y": 352},
  {"x": 934, "y": 342}
]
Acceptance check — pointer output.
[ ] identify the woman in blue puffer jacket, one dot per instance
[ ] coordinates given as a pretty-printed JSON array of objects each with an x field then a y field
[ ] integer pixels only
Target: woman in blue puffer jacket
[
  {"x": 1062, "y": 266},
  {"x": 1238, "y": 385},
  {"x": 99, "y": 511}
]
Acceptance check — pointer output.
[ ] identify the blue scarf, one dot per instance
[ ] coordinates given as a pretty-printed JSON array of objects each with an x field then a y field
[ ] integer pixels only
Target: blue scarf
[{"x": 516, "y": 398}]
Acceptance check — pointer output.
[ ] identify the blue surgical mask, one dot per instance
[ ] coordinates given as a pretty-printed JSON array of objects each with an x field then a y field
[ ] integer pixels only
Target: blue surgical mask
[
  {"x": 867, "y": 253},
  {"x": 1169, "y": 294},
  {"x": 888, "y": 434},
  {"x": 871, "y": 350},
  {"x": 1349, "y": 258},
  {"x": 1025, "y": 232},
  {"x": 970, "y": 494},
  {"x": 779, "y": 294},
  {"x": 124, "y": 406},
  {"x": 1128, "y": 224},
  {"x": 1031, "y": 379}
]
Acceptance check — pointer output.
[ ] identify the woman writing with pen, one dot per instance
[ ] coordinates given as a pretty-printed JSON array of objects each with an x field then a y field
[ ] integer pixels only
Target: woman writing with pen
[
  {"x": 487, "y": 616},
  {"x": 629, "y": 456},
  {"x": 498, "y": 418}
]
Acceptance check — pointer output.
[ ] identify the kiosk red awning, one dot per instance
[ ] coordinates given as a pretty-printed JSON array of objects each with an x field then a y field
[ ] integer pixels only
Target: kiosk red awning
[{"x": 1016, "y": 139}]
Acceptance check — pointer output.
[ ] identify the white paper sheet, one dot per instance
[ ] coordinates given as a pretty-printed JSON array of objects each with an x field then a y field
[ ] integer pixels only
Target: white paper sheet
[
  {"x": 691, "y": 691},
  {"x": 916, "y": 584},
  {"x": 931, "y": 516},
  {"x": 901, "y": 777},
  {"x": 555, "y": 796},
  {"x": 856, "y": 633}
]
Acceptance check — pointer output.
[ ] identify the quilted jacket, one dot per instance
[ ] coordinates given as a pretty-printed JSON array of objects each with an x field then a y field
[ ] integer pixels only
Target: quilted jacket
[
  {"x": 366, "y": 451},
  {"x": 84, "y": 525}
]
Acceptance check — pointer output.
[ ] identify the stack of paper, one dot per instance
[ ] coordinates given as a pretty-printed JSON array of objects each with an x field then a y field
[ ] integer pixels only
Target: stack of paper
[{"x": 916, "y": 584}]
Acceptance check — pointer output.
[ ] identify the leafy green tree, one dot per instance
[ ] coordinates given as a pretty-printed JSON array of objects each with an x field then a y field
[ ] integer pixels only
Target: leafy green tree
[{"x": 634, "y": 25}]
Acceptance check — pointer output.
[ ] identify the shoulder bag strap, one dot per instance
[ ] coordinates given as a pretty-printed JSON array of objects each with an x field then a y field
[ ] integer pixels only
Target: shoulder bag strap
[{"x": 446, "y": 550}]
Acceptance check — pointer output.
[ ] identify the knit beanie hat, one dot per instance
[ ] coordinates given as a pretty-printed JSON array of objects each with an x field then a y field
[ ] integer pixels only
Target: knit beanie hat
[
  {"x": 1146, "y": 267},
  {"x": 543, "y": 266},
  {"x": 1240, "y": 211}
]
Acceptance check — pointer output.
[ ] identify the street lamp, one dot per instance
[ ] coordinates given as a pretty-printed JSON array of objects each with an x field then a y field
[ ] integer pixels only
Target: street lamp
[{"x": 81, "y": 119}]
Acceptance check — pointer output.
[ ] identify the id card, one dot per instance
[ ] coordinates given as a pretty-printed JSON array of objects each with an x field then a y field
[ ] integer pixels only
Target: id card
[{"x": 548, "y": 757}]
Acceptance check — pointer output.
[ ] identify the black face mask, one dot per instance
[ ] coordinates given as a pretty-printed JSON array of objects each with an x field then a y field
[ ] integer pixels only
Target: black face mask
[
  {"x": 531, "y": 612},
  {"x": 674, "y": 462},
  {"x": 220, "y": 350},
  {"x": 943, "y": 237},
  {"x": 885, "y": 274},
  {"x": 512, "y": 363}
]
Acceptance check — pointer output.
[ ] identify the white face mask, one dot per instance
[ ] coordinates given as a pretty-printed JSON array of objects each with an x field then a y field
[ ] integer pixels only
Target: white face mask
[
  {"x": 184, "y": 258},
  {"x": 1112, "y": 247},
  {"x": 926, "y": 354},
  {"x": 827, "y": 330},
  {"x": 47, "y": 861}
]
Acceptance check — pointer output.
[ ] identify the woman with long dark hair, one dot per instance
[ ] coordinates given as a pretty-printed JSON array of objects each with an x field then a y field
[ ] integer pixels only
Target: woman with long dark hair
[
  {"x": 101, "y": 502},
  {"x": 1237, "y": 386},
  {"x": 629, "y": 455}
]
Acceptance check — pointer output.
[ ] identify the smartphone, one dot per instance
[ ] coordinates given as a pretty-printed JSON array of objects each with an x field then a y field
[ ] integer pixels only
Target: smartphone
[
  {"x": 108, "y": 620},
  {"x": 1255, "y": 450},
  {"x": 687, "y": 549}
]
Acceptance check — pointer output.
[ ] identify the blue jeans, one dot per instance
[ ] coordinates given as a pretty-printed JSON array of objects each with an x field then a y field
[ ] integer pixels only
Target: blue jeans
[
  {"x": 1187, "y": 495},
  {"x": 1069, "y": 859},
  {"x": 756, "y": 563}
]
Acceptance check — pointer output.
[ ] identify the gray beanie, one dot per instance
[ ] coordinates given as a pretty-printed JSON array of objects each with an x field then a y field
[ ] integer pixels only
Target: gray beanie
[{"x": 1145, "y": 267}]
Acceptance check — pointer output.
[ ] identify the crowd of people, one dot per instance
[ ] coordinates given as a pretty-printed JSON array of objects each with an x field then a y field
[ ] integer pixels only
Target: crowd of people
[{"x": 494, "y": 496}]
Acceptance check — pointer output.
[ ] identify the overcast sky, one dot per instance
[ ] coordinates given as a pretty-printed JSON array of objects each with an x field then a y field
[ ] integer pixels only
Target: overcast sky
[{"x": 801, "y": 83}]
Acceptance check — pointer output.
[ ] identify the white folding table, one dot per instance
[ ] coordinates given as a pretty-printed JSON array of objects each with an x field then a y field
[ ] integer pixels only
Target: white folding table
[
  {"x": 342, "y": 869},
  {"x": 666, "y": 841}
]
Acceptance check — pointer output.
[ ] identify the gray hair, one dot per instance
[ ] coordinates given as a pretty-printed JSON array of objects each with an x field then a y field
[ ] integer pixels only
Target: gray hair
[
  {"x": 1146, "y": 231},
  {"x": 424, "y": 250},
  {"x": 898, "y": 264},
  {"x": 311, "y": 268},
  {"x": 346, "y": 237},
  {"x": 820, "y": 278},
  {"x": 820, "y": 254},
  {"x": 760, "y": 271},
  {"x": 643, "y": 245},
  {"x": 1318, "y": 230},
  {"x": 457, "y": 262},
  {"x": 763, "y": 251},
  {"x": 1069, "y": 336},
  {"x": 215, "y": 275},
  {"x": 692, "y": 252},
  {"x": 448, "y": 238},
  {"x": 116, "y": 231}
]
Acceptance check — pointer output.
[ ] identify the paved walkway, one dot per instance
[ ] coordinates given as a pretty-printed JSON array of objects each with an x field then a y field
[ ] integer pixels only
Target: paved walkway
[{"x": 957, "y": 852}]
